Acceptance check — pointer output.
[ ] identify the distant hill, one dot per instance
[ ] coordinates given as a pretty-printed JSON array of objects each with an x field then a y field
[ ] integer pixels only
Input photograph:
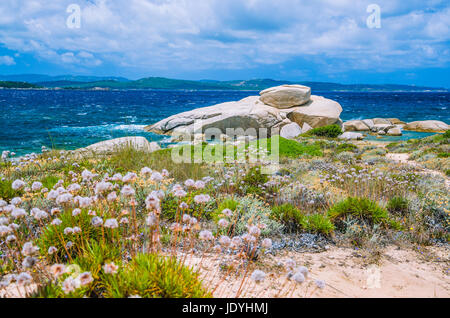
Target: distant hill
[
  {"x": 250, "y": 85},
  {"x": 36, "y": 78},
  {"x": 93, "y": 82},
  {"x": 9, "y": 84}
]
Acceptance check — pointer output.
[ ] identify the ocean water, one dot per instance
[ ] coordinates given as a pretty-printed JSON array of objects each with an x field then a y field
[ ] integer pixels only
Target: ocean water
[{"x": 72, "y": 119}]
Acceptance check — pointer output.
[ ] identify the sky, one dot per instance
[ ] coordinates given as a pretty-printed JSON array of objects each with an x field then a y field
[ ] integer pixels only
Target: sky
[{"x": 297, "y": 40}]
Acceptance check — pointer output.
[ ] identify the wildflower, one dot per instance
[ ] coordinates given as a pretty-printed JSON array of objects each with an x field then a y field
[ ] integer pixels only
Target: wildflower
[
  {"x": 205, "y": 235},
  {"x": 320, "y": 283},
  {"x": 69, "y": 245},
  {"x": 85, "y": 278},
  {"x": 18, "y": 213},
  {"x": 29, "y": 262},
  {"x": 110, "y": 268},
  {"x": 146, "y": 171},
  {"x": 193, "y": 221},
  {"x": 299, "y": 278},
  {"x": 134, "y": 296},
  {"x": 127, "y": 191},
  {"x": 227, "y": 212},
  {"x": 64, "y": 198},
  {"x": 56, "y": 222},
  {"x": 202, "y": 198},
  {"x": 129, "y": 177},
  {"x": 36, "y": 186},
  {"x": 76, "y": 212},
  {"x": 189, "y": 183},
  {"x": 266, "y": 243},
  {"x": 52, "y": 195},
  {"x": 236, "y": 241},
  {"x": 156, "y": 176},
  {"x": 70, "y": 284},
  {"x": 199, "y": 185},
  {"x": 180, "y": 193},
  {"x": 24, "y": 279},
  {"x": 124, "y": 221},
  {"x": 184, "y": 206},
  {"x": 225, "y": 240},
  {"x": 102, "y": 187},
  {"x": 112, "y": 197},
  {"x": 87, "y": 175},
  {"x": 29, "y": 249},
  {"x": 57, "y": 270},
  {"x": 55, "y": 211},
  {"x": 186, "y": 218},
  {"x": 68, "y": 231},
  {"x": 4, "y": 220},
  {"x": 258, "y": 276},
  {"x": 117, "y": 177},
  {"x": 76, "y": 230},
  {"x": 4, "y": 230},
  {"x": 111, "y": 224},
  {"x": 97, "y": 221},
  {"x": 18, "y": 185},
  {"x": 223, "y": 223},
  {"x": 3, "y": 203},
  {"x": 52, "y": 250},
  {"x": 151, "y": 220},
  {"x": 11, "y": 238},
  {"x": 152, "y": 202},
  {"x": 16, "y": 201},
  {"x": 254, "y": 230},
  {"x": 84, "y": 202},
  {"x": 249, "y": 238}
]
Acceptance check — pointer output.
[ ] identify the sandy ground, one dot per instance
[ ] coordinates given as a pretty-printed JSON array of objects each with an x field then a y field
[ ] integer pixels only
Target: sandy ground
[{"x": 347, "y": 273}]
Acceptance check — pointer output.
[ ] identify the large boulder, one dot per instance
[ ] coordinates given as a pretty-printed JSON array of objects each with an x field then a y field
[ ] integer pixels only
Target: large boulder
[
  {"x": 381, "y": 121},
  {"x": 396, "y": 131},
  {"x": 110, "y": 146},
  {"x": 290, "y": 131},
  {"x": 355, "y": 125},
  {"x": 318, "y": 112},
  {"x": 427, "y": 126},
  {"x": 286, "y": 96},
  {"x": 248, "y": 113}
]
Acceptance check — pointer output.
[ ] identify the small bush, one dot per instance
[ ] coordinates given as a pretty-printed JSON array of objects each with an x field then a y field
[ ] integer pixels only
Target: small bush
[
  {"x": 346, "y": 148},
  {"x": 155, "y": 276},
  {"x": 447, "y": 134},
  {"x": 228, "y": 203},
  {"x": 359, "y": 208},
  {"x": 318, "y": 223},
  {"x": 289, "y": 215},
  {"x": 398, "y": 205},
  {"x": 331, "y": 131}
]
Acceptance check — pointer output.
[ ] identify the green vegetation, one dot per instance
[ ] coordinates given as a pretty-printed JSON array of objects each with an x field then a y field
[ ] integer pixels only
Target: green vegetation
[
  {"x": 8, "y": 84},
  {"x": 398, "y": 205},
  {"x": 331, "y": 131},
  {"x": 289, "y": 215},
  {"x": 360, "y": 208},
  {"x": 318, "y": 223}
]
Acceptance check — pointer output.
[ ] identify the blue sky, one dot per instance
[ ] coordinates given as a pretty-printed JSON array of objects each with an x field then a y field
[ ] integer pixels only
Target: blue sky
[{"x": 297, "y": 40}]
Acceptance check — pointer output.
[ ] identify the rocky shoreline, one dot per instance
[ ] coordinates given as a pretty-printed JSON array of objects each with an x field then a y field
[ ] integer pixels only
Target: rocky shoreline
[{"x": 287, "y": 110}]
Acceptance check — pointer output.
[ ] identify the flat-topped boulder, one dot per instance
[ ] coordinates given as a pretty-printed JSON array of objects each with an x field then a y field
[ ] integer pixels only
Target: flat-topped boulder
[
  {"x": 427, "y": 126},
  {"x": 356, "y": 125},
  {"x": 286, "y": 96},
  {"x": 290, "y": 131},
  {"x": 318, "y": 112},
  {"x": 254, "y": 113},
  {"x": 349, "y": 135},
  {"x": 110, "y": 146}
]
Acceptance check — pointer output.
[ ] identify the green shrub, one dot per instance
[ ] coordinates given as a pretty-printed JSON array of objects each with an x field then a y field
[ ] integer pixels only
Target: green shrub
[
  {"x": 447, "y": 134},
  {"x": 359, "y": 208},
  {"x": 228, "y": 203},
  {"x": 444, "y": 155},
  {"x": 155, "y": 276},
  {"x": 254, "y": 180},
  {"x": 331, "y": 131},
  {"x": 170, "y": 206},
  {"x": 398, "y": 205},
  {"x": 318, "y": 223},
  {"x": 289, "y": 215}
]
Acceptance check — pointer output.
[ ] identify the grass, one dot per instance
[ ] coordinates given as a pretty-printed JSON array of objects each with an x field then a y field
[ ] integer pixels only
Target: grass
[
  {"x": 291, "y": 148},
  {"x": 289, "y": 215}
]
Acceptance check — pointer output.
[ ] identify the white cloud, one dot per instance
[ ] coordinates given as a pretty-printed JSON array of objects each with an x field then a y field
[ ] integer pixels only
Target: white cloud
[
  {"x": 7, "y": 60},
  {"x": 231, "y": 34}
]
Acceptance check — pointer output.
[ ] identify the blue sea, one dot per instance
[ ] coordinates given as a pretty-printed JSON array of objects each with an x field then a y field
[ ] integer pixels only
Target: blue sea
[{"x": 65, "y": 119}]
